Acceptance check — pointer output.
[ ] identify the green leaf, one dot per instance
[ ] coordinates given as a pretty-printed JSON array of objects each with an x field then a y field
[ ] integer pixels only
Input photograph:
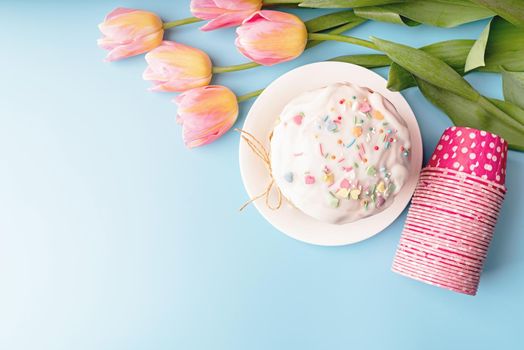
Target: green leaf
[
  {"x": 331, "y": 4},
  {"x": 427, "y": 67},
  {"x": 331, "y": 20},
  {"x": 381, "y": 14},
  {"x": 513, "y": 87},
  {"x": 368, "y": 61},
  {"x": 509, "y": 108},
  {"x": 505, "y": 47},
  {"x": 440, "y": 13},
  {"x": 452, "y": 52},
  {"x": 476, "y": 54},
  {"x": 511, "y": 10},
  {"x": 464, "y": 112}
]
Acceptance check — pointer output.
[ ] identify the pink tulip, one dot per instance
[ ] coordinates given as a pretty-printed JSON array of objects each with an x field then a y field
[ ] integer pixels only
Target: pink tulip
[
  {"x": 223, "y": 13},
  {"x": 177, "y": 67},
  {"x": 129, "y": 32},
  {"x": 271, "y": 37},
  {"x": 206, "y": 113}
]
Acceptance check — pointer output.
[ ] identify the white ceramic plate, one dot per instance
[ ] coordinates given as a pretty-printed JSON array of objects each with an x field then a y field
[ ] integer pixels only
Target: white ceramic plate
[{"x": 260, "y": 121}]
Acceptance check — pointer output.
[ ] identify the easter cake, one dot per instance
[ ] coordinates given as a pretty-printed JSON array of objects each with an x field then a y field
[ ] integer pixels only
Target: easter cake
[{"x": 340, "y": 153}]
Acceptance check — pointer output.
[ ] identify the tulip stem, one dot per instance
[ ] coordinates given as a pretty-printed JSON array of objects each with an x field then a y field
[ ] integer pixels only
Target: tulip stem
[
  {"x": 342, "y": 38},
  {"x": 181, "y": 22},
  {"x": 250, "y": 95},
  {"x": 235, "y": 67}
]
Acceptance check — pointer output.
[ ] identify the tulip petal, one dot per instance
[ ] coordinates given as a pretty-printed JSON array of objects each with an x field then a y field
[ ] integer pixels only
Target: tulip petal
[
  {"x": 136, "y": 47},
  {"x": 118, "y": 11},
  {"x": 226, "y": 20}
]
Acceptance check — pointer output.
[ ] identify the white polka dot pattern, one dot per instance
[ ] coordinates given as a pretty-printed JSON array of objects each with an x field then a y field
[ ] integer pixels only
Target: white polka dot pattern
[{"x": 479, "y": 153}]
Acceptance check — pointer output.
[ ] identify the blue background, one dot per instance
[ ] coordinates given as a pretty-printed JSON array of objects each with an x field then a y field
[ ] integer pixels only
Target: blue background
[{"x": 114, "y": 236}]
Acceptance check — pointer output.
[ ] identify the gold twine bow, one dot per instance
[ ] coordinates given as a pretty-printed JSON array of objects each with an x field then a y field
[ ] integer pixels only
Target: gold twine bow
[{"x": 260, "y": 151}]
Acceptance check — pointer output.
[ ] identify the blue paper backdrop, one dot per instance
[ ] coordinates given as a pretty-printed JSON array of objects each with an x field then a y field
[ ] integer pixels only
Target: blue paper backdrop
[{"x": 114, "y": 236}]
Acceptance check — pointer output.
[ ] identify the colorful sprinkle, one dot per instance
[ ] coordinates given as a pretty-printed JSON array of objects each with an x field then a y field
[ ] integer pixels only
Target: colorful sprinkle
[
  {"x": 357, "y": 131},
  {"x": 375, "y": 148},
  {"x": 381, "y": 187},
  {"x": 332, "y": 126},
  {"x": 371, "y": 171},
  {"x": 344, "y": 183},
  {"x": 310, "y": 180},
  {"x": 364, "y": 107},
  {"x": 379, "y": 202},
  {"x": 298, "y": 118},
  {"x": 354, "y": 193},
  {"x": 332, "y": 200},
  {"x": 328, "y": 178},
  {"x": 377, "y": 115},
  {"x": 288, "y": 177},
  {"x": 342, "y": 101},
  {"x": 343, "y": 193},
  {"x": 351, "y": 143}
]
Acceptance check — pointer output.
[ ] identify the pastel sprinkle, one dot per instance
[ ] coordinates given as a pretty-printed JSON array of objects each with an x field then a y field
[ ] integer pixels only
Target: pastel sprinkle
[
  {"x": 381, "y": 187},
  {"x": 364, "y": 107},
  {"x": 288, "y": 177},
  {"x": 328, "y": 178},
  {"x": 371, "y": 171},
  {"x": 379, "y": 202},
  {"x": 343, "y": 193},
  {"x": 310, "y": 180},
  {"x": 332, "y": 126},
  {"x": 377, "y": 115},
  {"x": 298, "y": 119},
  {"x": 332, "y": 200},
  {"x": 321, "y": 149},
  {"x": 357, "y": 131},
  {"x": 351, "y": 143},
  {"x": 354, "y": 193},
  {"x": 341, "y": 160},
  {"x": 344, "y": 183}
]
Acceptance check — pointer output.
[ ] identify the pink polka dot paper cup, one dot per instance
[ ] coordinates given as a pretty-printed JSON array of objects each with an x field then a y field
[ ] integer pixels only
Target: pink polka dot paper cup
[
  {"x": 454, "y": 210},
  {"x": 475, "y": 152}
]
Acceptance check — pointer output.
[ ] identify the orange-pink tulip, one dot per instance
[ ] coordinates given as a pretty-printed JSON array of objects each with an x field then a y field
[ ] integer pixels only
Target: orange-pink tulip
[
  {"x": 271, "y": 37},
  {"x": 206, "y": 113},
  {"x": 128, "y": 32},
  {"x": 223, "y": 13},
  {"x": 177, "y": 67}
]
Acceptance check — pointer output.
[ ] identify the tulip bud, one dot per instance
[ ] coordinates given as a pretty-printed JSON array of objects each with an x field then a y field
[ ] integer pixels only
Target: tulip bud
[
  {"x": 177, "y": 67},
  {"x": 128, "y": 32},
  {"x": 271, "y": 37},
  {"x": 223, "y": 13},
  {"x": 206, "y": 113}
]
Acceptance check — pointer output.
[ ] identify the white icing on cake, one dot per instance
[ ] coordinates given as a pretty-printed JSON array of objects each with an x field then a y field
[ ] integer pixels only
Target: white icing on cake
[{"x": 340, "y": 153}]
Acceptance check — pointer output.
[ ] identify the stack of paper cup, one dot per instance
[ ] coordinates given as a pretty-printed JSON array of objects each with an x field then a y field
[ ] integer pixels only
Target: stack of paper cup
[{"x": 454, "y": 211}]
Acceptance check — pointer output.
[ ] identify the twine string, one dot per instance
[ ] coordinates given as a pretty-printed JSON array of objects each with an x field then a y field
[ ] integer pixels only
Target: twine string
[{"x": 260, "y": 151}]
